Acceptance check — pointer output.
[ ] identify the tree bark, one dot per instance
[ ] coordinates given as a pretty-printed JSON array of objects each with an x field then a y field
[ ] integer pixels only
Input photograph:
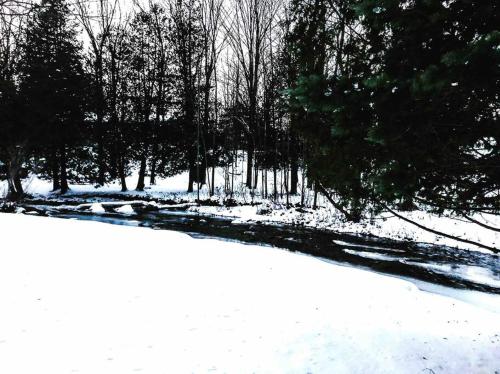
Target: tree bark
[
  {"x": 294, "y": 162},
  {"x": 294, "y": 176},
  {"x": 154, "y": 161},
  {"x": 192, "y": 169},
  {"x": 121, "y": 172},
  {"x": 212, "y": 192},
  {"x": 55, "y": 166},
  {"x": 14, "y": 165},
  {"x": 100, "y": 154},
  {"x": 256, "y": 178},
  {"x": 142, "y": 173},
  {"x": 63, "y": 165},
  {"x": 101, "y": 163},
  {"x": 249, "y": 166}
]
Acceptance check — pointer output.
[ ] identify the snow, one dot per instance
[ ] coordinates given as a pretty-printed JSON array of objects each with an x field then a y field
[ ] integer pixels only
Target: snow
[
  {"x": 86, "y": 297},
  {"x": 384, "y": 225},
  {"x": 371, "y": 255},
  {"x": 326, "y": 217},
  {"x": 472, "y": 273},
  {"x": 126, "y": 209},
  {"x": 97, "y": 208},
  {"x": 346, "y": 244}
]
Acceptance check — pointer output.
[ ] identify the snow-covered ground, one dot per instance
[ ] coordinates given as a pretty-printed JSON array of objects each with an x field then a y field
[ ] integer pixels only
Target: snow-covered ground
[
  {"x": 85, "y": 297},
  {"x": 326, "y": 217}
]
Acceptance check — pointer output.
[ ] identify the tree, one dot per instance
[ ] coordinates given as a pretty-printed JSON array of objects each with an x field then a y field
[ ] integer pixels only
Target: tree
[
  {"x": 410, "y": 110},
  {"x": 119, "y": 52},
  {"x": 213, "y": 44},
  {"x": 306, "y": 56},
  {"x": 97, "y": 18},
  {"x": 52, "y": 84},
  {"x": 433, "y": 82},
  {"x": 13, "y": 145},
  {"x": 186, "y": 39},
  {"x": 247, "y": 31},
  {"x": 147, "y": 64}
]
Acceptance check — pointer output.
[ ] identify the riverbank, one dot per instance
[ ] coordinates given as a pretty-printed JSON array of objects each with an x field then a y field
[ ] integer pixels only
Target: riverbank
[{"x": 245, "y": 207}]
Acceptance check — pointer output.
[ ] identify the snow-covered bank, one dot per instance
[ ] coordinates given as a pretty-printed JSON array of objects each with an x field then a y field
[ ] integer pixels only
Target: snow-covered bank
[
  {"x": 325, "y": 217},
  {"x": 85, "y": 297},
  {"x": 384, "y": 225}
]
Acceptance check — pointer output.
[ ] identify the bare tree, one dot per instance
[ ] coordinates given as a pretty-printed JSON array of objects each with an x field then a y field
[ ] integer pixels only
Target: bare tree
[
  {"x": 117, "y": 60},
  {"x": 15, "y": 8},
  {"x": 247, "y": 29},
  {"x": 159, "y": 25},
  {"x": 186, "y": 40},
  {"x": 213, "y": 44},
  {"x": 97, "y": 18}
]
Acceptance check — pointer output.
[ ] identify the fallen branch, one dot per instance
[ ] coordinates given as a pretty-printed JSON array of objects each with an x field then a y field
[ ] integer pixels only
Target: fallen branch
[
  {"x": 336, "y": 205},
  {"x": 492, "y": 249}
]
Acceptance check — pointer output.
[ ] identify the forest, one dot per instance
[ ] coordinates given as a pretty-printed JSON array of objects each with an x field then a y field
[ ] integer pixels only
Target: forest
[{"x": 376, "y": 104}]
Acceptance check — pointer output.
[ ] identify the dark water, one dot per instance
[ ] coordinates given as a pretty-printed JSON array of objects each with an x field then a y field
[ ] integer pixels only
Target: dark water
[{"x": 440, "y": 265}]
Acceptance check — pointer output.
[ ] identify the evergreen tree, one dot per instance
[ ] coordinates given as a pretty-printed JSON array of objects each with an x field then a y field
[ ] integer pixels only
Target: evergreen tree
[
  {"x": 52, "y": 84},
  {"x": 434, "y": 83},
  {"x": 306, "y": 45},
  {"x": 412, "y": 113}
]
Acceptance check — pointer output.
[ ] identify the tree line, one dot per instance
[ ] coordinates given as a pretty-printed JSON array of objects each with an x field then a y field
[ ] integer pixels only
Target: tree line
[{"x": 381, "y": 104}]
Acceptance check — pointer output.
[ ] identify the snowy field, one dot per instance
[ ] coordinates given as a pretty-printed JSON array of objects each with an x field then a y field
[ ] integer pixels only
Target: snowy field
[
  {"x": 85, "y": 297},
  {"x": 266, "y": 211}
]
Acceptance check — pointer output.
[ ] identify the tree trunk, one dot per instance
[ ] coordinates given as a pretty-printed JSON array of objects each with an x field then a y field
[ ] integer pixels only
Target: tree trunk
[
  {"x": 113, "y": 161},
  {"x": 191, "y": 180},
  {"x": 287, "y": 188},
  {"x": 294, "y": 173},
  {"x": 63, "y": 165},
  {"x": 14, "y": 181},
  {"x": 15, "y": 163},
  {"x": 201, "y": 174},
  {"x": 101, "y": 163},
  {"x": 121, "y": 172},
  {"x": 55, "y": 166},
  {"x": 256, "y": 178},
  {"x": 212, "y": 192},
  {"x": 249, "y": 166},
  {"x": 192, "y": 169},
  {"x": 19, "y": 185},
  {"x": 275, "y": 182},
  {"x": 16, "y": 156},
  {"x": 303, "y": 192},
  {"x": 101, "y": 178},
  {"x": 154, "y": 161},
  {"x": 315, "y": 204},
  {"x": 142, "y": 173}
]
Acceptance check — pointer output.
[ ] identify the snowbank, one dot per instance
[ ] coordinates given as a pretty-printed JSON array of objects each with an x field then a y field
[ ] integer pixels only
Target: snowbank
[
  {"x": 384, "y": 225},
  {"x": 86, "y": 297}
]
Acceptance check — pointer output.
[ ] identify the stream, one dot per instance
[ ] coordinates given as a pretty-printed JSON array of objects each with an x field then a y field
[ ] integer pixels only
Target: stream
[{"x": 431, "y": 264}]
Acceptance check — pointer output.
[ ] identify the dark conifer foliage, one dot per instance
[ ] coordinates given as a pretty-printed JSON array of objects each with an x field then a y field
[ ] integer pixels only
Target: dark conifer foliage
[
  {"x": 434, "y": 84},
  {"x": 52, "y": 86},
  {"x": 409, "y": 112}
]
